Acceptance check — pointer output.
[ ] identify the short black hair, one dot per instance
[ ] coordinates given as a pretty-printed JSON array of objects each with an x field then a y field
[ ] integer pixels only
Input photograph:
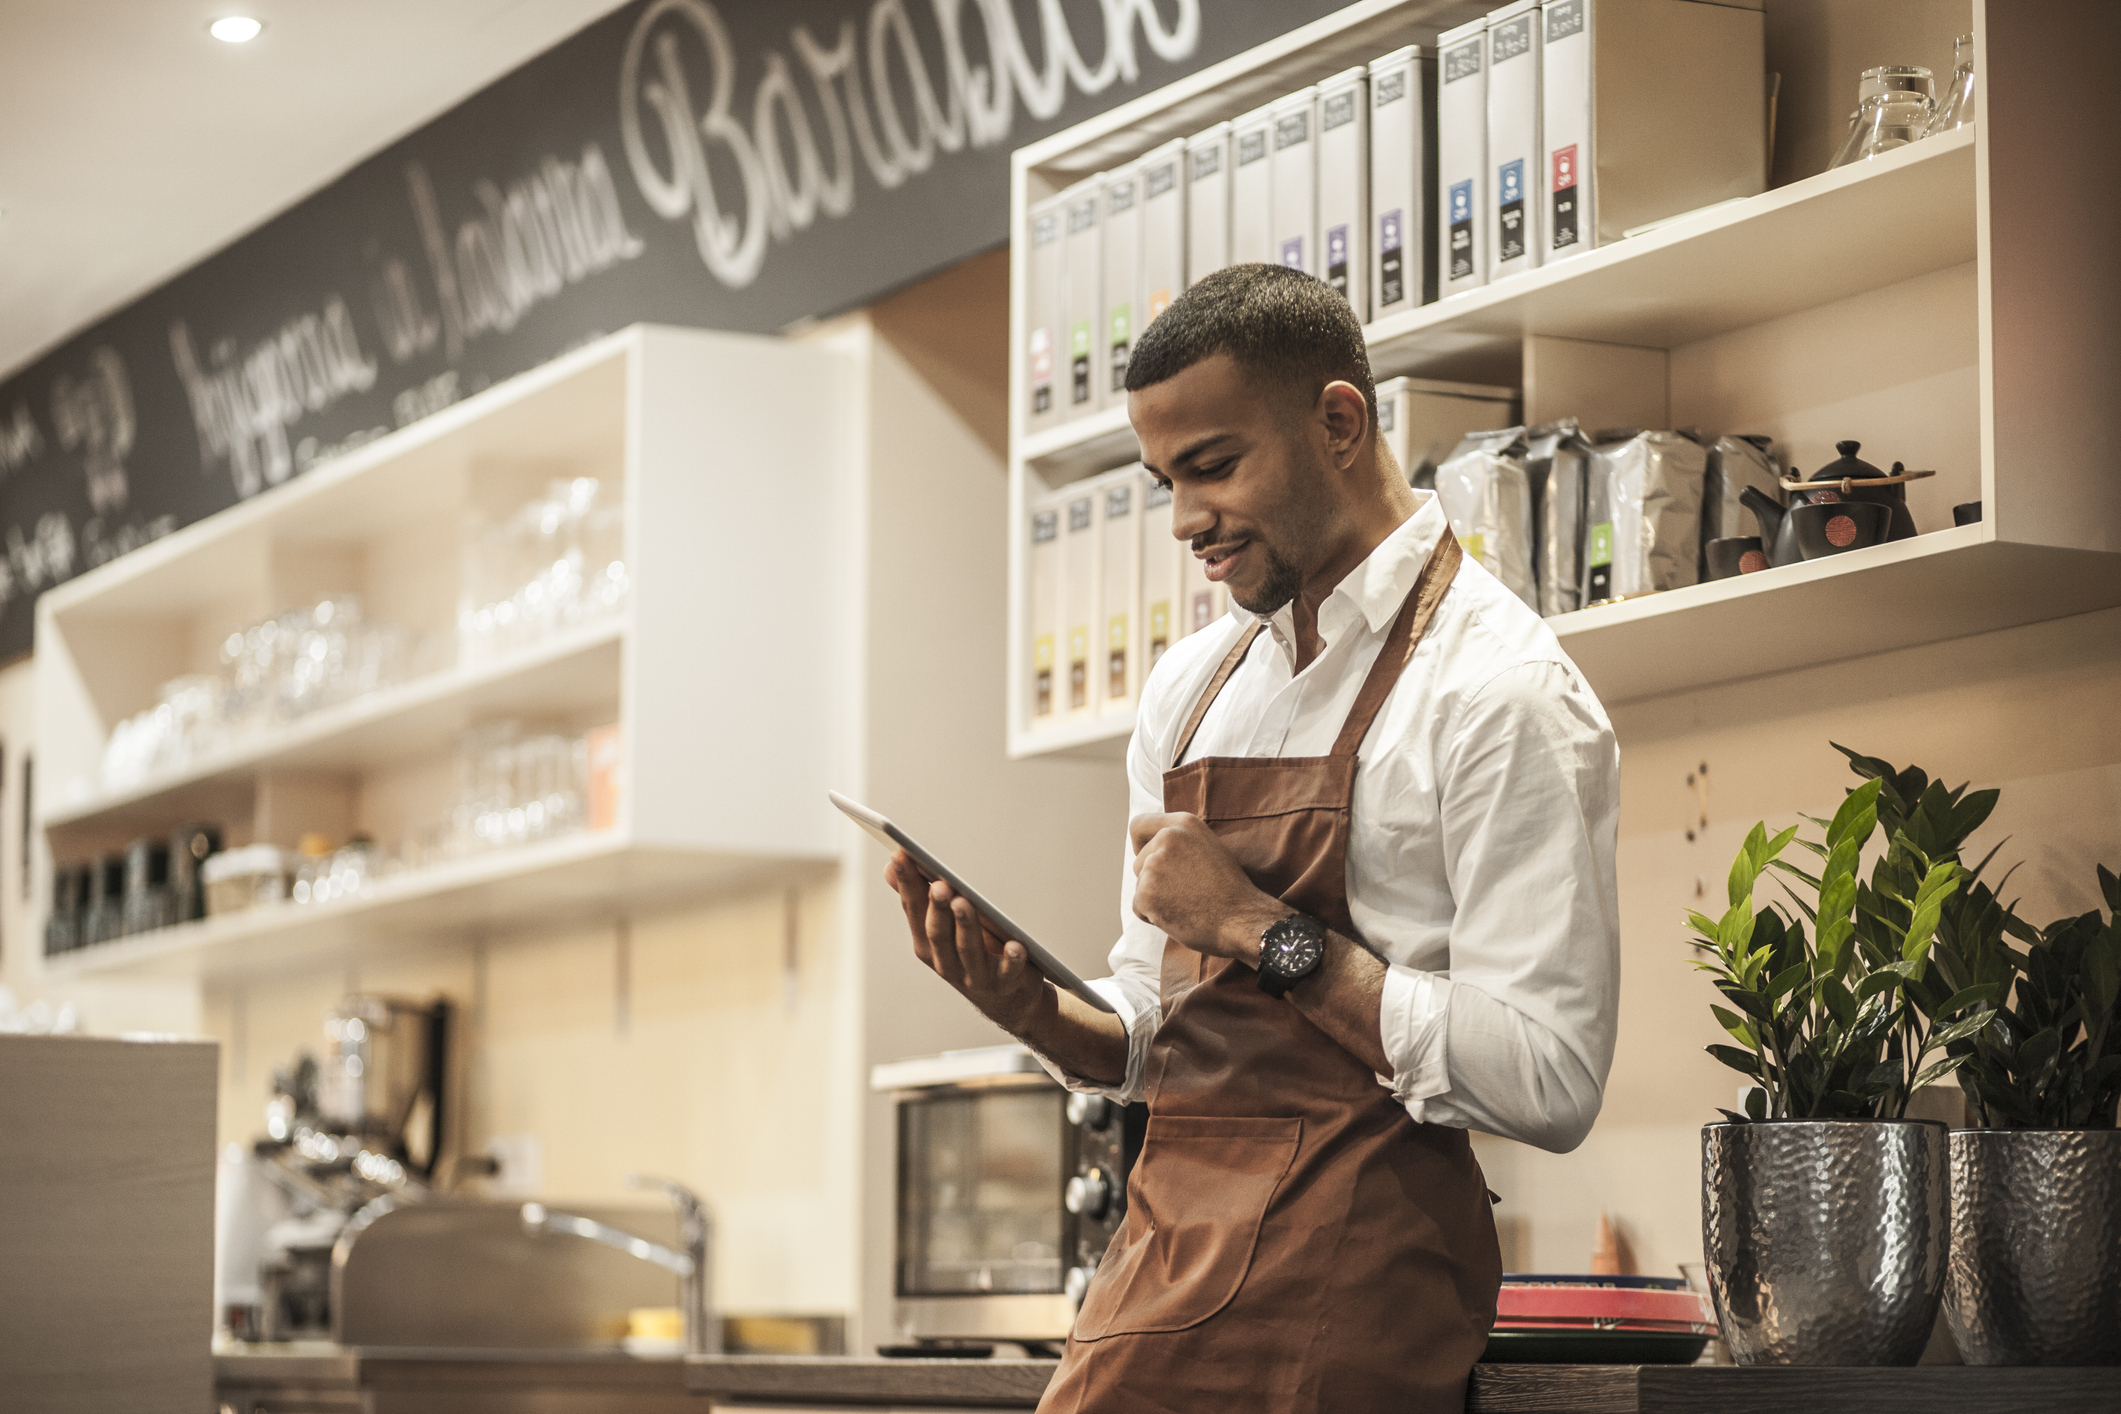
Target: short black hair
[{"x": 1287, "y": 327}]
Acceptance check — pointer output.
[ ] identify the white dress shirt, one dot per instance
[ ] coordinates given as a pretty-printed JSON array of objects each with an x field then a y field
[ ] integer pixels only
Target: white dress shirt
[{"x": 1480, "y": 855}]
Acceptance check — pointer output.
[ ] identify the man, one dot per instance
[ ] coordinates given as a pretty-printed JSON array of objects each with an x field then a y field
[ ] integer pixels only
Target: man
[{"x": 1370, "y": 903}]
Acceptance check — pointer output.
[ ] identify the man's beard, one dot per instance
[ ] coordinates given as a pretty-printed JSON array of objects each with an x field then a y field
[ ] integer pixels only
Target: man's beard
[{"x": 1276, "y": 588}]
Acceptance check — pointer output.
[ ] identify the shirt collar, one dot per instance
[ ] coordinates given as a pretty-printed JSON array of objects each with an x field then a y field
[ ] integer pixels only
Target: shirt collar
[{"x": 1380, "y": 584}]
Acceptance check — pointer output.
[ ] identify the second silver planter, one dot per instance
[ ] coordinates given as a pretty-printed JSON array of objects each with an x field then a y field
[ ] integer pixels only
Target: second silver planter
[
  {"x": 1825, "y": 1239},
  {"x": 2036, "y": 1246}
]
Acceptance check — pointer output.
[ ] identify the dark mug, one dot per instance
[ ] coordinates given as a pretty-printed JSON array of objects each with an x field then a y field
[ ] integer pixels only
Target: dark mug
[
  {"x": 1831, "y": 527},
  {"x": 1736, "y": 555},
  {"x": 1967, "y": 514}
]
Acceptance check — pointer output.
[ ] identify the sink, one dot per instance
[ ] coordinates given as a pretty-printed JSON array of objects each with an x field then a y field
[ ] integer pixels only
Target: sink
[{"x": 459, "y": 1274}]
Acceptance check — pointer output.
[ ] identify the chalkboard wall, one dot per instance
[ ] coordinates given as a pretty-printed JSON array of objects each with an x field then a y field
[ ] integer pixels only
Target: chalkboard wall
[{"x": 739, "y": 165}]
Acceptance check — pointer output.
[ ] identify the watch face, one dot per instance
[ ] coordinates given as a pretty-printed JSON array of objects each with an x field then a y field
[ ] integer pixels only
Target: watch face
[{"x": 1293, "y": 948}]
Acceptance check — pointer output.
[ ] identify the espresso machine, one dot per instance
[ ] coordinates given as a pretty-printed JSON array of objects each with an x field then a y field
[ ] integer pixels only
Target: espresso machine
[{"x": 361, "y": 1119}]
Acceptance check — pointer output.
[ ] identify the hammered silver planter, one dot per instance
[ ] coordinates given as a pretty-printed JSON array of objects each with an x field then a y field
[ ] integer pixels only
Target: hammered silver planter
[
  {"x": 2035, "y": 1274},
  {"x": 1826, "y": 1239}
]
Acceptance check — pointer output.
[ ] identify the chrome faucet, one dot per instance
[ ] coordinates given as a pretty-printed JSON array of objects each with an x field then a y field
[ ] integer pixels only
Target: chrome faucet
[{"x": 703, "y": 1333}]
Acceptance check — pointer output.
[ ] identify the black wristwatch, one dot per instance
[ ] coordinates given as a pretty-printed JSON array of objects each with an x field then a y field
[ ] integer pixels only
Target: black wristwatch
[{"x": 1290, "y": 951}]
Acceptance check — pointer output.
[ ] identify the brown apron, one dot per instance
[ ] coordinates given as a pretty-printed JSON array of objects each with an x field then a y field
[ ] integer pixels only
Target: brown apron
[{"x": 1293, "y": 1240}]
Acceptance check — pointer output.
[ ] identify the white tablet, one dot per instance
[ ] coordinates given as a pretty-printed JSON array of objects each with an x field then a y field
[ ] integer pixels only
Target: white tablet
[{"x": 892, "y": 837}]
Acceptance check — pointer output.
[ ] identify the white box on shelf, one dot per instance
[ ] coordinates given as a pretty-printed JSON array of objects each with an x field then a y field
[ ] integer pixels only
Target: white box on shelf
[
  {"x": 1082, "y": 296},
  {"x": 1207, "y": 201},
  {"x": 1422, "y": 419},
  {"x": 1047, "y": 630},
  {"x": 1518, "y": 221},
  {"x": 1294, "y": 236},
  {"x": 1042, "y": 317},
  {"x": 1163, "y": 226},
  {"x": 1649, "y": 108},
  {"x": 1081, "y": 579},
  {"x": 1402, "y": 140},
  {"x": 1252, "y": 188},
  {"x": 1119, "y": 587},
  {"x": 1462, "y": 179},
  {"x": 1163, "y": 571},
  {"x": 1344, "y": 187},
  {"x": 1120, "y": 277}
]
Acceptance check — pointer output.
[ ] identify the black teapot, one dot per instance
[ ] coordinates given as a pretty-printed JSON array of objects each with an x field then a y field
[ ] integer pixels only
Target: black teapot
[{"x": 1842, "y": 480}]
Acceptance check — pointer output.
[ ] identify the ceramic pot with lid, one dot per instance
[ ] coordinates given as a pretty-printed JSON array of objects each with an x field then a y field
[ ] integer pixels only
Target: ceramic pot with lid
[{"x": 1851, "y": 469}]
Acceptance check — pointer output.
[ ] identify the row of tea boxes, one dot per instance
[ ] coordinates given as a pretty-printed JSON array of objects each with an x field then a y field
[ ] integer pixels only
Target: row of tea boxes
[{"x": 1551, "y": 129}]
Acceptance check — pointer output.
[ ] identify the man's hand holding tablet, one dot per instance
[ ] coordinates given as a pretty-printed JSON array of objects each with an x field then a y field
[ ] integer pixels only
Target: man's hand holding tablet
[{"x": 993, "y": 963}]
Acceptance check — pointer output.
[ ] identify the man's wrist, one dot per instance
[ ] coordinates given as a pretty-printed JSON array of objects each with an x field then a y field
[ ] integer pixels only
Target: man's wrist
[
  {"x": 1037, "y": 1017},
  {"x": 1243, "y": 928}
]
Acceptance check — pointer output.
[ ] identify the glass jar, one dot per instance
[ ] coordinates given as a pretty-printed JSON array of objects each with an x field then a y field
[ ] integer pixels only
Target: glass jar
[
  {"x": 1957, "y": 109},
  {"x": 1895, "y": 108}
]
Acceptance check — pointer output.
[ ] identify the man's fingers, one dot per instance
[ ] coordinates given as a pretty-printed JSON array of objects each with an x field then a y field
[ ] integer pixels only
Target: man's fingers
[
  {"x": 942, "y": 935},
  {"x": 972, "y": 953},
  {"x": 1143, "y": 828}
]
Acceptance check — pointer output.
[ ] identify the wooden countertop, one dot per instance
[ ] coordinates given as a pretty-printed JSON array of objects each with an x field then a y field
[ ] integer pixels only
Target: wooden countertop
[{"x": 1496, "y": 1389}]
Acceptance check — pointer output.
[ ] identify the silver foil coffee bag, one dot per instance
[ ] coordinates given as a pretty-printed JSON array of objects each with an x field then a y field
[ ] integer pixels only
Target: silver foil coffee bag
[
  {"x": 1642, "y": 521},
  {"x": 1557, "y": 464},
  {"x": 1488, "y": 498}
]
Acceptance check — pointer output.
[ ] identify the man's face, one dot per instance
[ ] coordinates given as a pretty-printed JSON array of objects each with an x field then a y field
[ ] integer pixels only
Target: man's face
[{"x": 1252, "y": 487}]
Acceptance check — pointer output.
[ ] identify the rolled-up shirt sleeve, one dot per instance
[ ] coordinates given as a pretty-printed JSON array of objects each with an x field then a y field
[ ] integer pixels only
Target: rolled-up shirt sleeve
[
  {"x": 1135, "y": 986},
  {"x": 1516, "y": 1038}
]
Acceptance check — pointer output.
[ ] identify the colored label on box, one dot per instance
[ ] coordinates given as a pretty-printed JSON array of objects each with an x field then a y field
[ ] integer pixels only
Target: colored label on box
[
  {"x": 1461, "y": 207},
  {"x": 1564, "y": 196},
  {"x": 1509, "y": 209}
]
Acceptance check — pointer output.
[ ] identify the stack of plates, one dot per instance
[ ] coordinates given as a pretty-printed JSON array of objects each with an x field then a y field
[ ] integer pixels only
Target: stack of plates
[{"x": 1599, "y": 1320}]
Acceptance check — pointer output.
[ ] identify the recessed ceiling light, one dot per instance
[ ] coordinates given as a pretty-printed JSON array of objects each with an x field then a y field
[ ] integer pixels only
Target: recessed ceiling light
[{"x": 235, "y": 29}]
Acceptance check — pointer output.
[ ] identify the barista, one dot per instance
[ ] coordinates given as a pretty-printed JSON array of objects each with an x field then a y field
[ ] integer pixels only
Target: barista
[{"x": 1369, "y": 902}]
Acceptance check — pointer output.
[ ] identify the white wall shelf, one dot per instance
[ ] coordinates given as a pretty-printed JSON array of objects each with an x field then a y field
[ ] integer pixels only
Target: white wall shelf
[
  {"x": 563, "y": 676},
  {"x": 576, "y": 879},
  {"x": 723, "y": 784},
  {"x": 1781, "y": 307}
]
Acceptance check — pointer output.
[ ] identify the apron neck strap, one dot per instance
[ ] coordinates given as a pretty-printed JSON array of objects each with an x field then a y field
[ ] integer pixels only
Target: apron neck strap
[
  {"x": 1215, "y": 687},
  {"x": 1413, "y": 620}
]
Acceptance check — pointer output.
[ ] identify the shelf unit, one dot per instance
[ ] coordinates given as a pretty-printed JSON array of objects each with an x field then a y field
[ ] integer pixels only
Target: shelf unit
[
  {"x": 723, "y": 786},
  {"x": 1729, "y": 308}
]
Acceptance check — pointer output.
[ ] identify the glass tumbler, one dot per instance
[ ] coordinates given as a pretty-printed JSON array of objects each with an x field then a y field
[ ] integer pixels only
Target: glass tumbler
[
  {"x": 1895, "y": 109},
  {"x": 1957, "y": 109}
]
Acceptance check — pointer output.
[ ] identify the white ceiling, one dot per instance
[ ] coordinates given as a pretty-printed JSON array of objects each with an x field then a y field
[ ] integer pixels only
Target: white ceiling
[{"x": 133, "y": 143}]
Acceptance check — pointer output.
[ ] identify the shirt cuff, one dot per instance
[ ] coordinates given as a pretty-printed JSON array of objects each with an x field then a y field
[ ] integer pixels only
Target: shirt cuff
[
  {"x": 1413, "y": 1024},
  {"x": 1140, "y": 1023}
]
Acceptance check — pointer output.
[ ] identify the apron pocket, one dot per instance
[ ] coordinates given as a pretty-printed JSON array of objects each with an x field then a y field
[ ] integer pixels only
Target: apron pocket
[{"x": 1200, "y": 1192}]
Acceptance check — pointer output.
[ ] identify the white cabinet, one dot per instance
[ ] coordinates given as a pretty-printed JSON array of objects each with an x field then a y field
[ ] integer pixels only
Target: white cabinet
[
  {"x": 1949, "y": 304},
  {"x": 716, "y": 667}
]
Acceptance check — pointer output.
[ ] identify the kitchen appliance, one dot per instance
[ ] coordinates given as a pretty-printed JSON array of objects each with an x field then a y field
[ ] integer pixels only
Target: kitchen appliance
[
  {"x": 1009, "y": 1192},
  {"x": 1848, "y": 478},
  {"x": 364, "y": 1122}
]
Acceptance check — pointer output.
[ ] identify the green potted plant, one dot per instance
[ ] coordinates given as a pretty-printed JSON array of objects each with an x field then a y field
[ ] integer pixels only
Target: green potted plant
[
  {"x": 1824, "y": 1209},
  {"x": 2035, "y": 1271}
]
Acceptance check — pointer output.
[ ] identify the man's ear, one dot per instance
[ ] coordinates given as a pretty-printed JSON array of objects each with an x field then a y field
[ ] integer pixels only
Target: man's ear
[{"x": 1345, "y": 415}]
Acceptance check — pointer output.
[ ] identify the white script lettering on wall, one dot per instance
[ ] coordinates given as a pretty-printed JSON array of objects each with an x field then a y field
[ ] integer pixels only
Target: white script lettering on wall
[
  {"x": 243, "y": 407},
  {"x": 551, "y": 229},
  {"x": 876, "y": 93},
  {"x": 93, "y": 416}
]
